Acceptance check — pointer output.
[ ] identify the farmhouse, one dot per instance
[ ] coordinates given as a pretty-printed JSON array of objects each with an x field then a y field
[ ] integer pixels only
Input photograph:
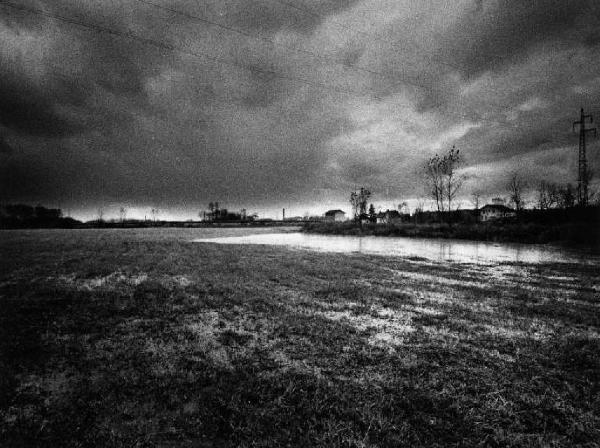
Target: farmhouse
[
  {"x": 335, "y": 215},
  {"x": 490, "y": 212}
]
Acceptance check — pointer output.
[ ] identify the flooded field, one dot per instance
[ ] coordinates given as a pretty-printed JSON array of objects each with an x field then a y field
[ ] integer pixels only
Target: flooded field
[
  {"x": 432, "y": 249},
  {"x": 150, "y": 338}
]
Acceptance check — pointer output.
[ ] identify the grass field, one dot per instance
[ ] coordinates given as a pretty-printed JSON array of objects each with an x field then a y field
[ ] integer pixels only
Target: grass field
[{"x": 141, "y": 338}]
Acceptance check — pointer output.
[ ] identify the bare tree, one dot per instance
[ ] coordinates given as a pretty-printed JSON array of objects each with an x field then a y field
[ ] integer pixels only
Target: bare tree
[
  {"x": 594, "y": 192},
  {"x": 122, "y": 214},
  {"x": 516, "y": 187},
  {"x": 215, "y": 211},
  {"x": 567, "y": 196},
  {"x": 434, "y": 181},
  {"x": 359, "y": 199},
  {"x": 548, "y": 195},
  {"x": 442, "y": 179},
  {"x": 355, "y": 202},
  {"x": 420, "y": 205},
  {"x": 100, "y": 214},
  {"x": 154, "y": 213},
  {"x": 452, "y": 180},
  {"x": 419, "y": 208}
]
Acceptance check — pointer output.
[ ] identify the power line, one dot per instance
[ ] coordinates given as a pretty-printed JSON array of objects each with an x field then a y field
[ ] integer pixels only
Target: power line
[
  {"x": 169, "y": 47},
  {"x": 421, "y": 49},
  {"x": 347, "y": 27},
  {"x": 272, "y": 42},
  {"x": 173, "y": 48}
]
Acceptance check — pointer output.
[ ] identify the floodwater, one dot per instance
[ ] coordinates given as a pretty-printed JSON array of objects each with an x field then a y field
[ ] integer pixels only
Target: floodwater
[{"x": 430, "y": 248}]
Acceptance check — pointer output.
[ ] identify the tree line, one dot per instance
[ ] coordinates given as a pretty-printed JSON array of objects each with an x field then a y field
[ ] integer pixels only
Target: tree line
[
  {"x": 27, "y": 216},
  {"x": 443, "y": 183}
]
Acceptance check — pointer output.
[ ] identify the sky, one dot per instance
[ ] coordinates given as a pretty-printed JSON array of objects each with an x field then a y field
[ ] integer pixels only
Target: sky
[{"x": 266, "y": 104}]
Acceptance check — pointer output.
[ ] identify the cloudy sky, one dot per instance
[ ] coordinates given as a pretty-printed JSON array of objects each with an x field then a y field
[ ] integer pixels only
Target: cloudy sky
[{"x": 266, "y": 104}]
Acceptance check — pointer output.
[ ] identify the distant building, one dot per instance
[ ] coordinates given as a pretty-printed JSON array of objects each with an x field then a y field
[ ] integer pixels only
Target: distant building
[
  {"x": 392, "y": 217},
  {"x": 490, "y": 212},
  {"x": 335, "y": 215}
]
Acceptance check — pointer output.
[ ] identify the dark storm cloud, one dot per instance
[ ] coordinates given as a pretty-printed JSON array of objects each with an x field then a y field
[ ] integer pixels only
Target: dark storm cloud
[
  {"x": 496, "y": 33},
  {"x": 54, "y": 92},
  {"x": 31, "y": 109},
  {"x": 354, "y": 92}
]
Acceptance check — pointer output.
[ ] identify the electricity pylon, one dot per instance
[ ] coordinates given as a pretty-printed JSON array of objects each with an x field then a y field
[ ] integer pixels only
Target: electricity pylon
[{"x": 582, "y": 180}]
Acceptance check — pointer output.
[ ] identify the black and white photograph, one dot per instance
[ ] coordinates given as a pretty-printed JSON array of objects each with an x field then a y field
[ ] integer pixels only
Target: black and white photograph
[{"x": 299, "y": 223}]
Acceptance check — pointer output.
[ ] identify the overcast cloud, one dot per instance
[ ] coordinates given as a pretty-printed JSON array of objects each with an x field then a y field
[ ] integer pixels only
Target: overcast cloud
[{"x": 296, "y": 108}]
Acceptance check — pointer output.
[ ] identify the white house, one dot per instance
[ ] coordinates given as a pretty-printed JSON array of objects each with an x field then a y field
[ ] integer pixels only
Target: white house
[
  {"x": 490, "y": 212},
  {"x": 335, "y": 215}
]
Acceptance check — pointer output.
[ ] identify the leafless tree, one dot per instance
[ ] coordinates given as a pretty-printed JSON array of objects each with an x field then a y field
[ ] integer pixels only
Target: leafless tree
[
  {"x": 355, "y": 202},
  {"x": 566, "y": 196},
  {"x": 100, "y": 214},
  {"x": 516, "y": 188},
  {"x": 435, "y": 181},
  {"x": 420, "y": 205},
  {"x": 442, "y": 178},
  {"x": 593, "y": 191},
  {"x": 154, "y": 212},
  {"x": 452, "y": 180},
  {"x": 122, "y": 214},
  {"x": 359, "y": 199},
  {"x": 548, "y": 195},
  {"x": 476, "y": 199},
  {"x": 419, "y": 208}
]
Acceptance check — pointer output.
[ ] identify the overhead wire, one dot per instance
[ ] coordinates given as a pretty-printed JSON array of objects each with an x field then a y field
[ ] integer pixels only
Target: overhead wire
[
  {"x": 166, "y": 46},
  {"x": 421, "y": 52},
  {"x": 272, "y": 42},
  {"x": 269, "y": 138},
  {"x": 352, "y": 29}
]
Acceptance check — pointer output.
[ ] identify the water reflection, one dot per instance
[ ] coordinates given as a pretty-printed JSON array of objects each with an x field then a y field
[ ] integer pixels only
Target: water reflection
[{"x": 430, "y": 248}]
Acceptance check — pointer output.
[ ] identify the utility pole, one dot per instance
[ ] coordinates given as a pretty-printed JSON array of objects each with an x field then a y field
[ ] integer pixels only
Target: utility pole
[{"x": 582, "y": 180}]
